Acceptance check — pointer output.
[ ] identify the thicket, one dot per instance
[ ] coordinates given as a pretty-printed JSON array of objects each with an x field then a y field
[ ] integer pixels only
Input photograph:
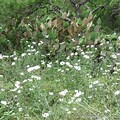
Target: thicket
[{"x": 60, "y": 25}]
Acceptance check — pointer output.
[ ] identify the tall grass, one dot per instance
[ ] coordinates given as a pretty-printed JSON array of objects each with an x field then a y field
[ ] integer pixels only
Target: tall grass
[{"x": 74, "y": 87}]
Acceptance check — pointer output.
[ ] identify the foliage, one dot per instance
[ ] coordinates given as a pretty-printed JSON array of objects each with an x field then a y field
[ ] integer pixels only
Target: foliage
[{"x": 32, "y": 20}]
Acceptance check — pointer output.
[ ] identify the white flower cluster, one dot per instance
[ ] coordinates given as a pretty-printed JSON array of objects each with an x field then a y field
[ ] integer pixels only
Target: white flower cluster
[
  {"x": 63, "y": 93},
  {"x": 30, "y": 69}
]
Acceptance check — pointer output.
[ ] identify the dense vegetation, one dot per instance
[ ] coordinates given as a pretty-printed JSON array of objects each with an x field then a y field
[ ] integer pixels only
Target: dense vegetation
[{"x": 60, "y": 60}]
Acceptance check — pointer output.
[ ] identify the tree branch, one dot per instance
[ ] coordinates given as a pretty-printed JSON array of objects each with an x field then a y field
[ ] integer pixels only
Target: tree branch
[
  {"x": 99, "y": 7},
  {"x": 82, "y": 3}
]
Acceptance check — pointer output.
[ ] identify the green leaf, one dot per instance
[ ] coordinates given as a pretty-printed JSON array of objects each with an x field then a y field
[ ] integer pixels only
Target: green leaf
[
  {"x": 52, "y": 35},
  {"x": 93, "y": 35},
  {"x": 81, "y": 41},
  {"x": 99, "y": 21}
]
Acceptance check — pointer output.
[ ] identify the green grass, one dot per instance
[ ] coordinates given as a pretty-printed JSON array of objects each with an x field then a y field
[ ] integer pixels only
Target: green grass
[{"x": 75, "y": 88}]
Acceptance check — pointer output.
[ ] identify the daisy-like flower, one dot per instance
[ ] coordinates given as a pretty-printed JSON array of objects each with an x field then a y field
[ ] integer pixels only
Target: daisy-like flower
[
  {"x": 21, "y": 73},
  {"x": 77, "y": 67},
  {"x": 23, "y": 54},
  {"x": 45, "y": 115},
  {"x": 36, "y": 77},
  {"x": 1, "y": 56},
  {"x": 64, "y": 92},
  {"x": 96, "y": 82},
  {"x": 68, "y": 64},
  {"x": 86, "y": 56},
  {"x": 1, "y": 76},
  {"x": 114, "y": 56},
  {"x": 117, "y": 92},
  {"x": 20, "y": 109},
  {"x": 78, "y": 93},
  {"x": 49, "y": 65},
  {"x": 62, "y": 63},
  {"x": 4, "y": 103},
  {"x": 13, "y": 63},
  {"x": 50, "y": 93},
  {"x": 33, "y": 68},
  {"x": 17, "y": 84}
]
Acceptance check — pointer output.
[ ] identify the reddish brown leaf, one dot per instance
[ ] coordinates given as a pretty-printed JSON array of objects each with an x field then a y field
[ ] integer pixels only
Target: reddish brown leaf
[
  {"x": 42, "y": 26},
  {"x": 90, "y": 17},
  {"x": 71, "y": 31},
  {"x": 49, "y": 23},
  {"x": 57, "y": 23}
]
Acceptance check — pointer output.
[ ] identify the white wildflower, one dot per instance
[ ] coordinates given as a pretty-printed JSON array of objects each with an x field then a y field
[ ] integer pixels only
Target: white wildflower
[
  {"x": 59, "y": 70},
  {"x": 36, "y": 77},
  {"x": 42, "y": 62},
  {"x": 78, "y": 93},
  {"x": 20, "y": 109},
  {"x": 86, "y": 56},
  {"x": 15, "y": 58},
  {"x": 49, "y": 65},
  {"x": 114, "y": 56},
  {"x": 23, "y": 54},
  {"x": 2, "y": 90},
  {"x": 77, "y": 67},
  {"x": 89, "y": 97},
  {"x": 32, "y": 47},
  {"x": 30, "y": 89},
  {"x": 96, "y": 82},
  {"x": 19, "y": 91},
  {"x": 74, "y": 108},
  {"x": 33, "y": 68},
  {"x": 1, "y": 76},
  {"x": 90, "y": 86},
  {"x": 92, "y": 46},
  {"x": 3, "y": 102},
  {"x": 68, "y": 58},
  {"x": 36, "y": 52},
  {"x": 119, "y": 38},
  {"x": 82, "y": 53},
  {"x": 45, "y": 115},
  {"x": 24, "y": 80},
  {"x": 21, "y": 73},
  {"x": 62, "y": 71},
  {"x": 62, "y": 63},
  {"x": 78, "y": 100},
  {"x": 13, "y": 63},
  {"x": 69, "y": 112},
  {"x": 50, "y": 93},
  {"x": 117, "y": 92},
  {"x": 107, "y": 110},
  {"x": 1, "y": 56},
  {"x": 64, "y": 92},
  {"x": 76, "y": 53},
  {"x": 72, "y": 54},
  {"x": 61, "y": 99},
  {"x": 29, "y": 53},
  {"x": 34, "y": 43},
  {"x": 68, "y": 64},
  {"x": 17, "y": 84},
  {"x": 71, "y": 101}
]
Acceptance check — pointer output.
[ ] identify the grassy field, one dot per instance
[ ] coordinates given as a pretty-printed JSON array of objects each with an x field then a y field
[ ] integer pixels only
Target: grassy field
[{"x": 79, "y": 86}]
